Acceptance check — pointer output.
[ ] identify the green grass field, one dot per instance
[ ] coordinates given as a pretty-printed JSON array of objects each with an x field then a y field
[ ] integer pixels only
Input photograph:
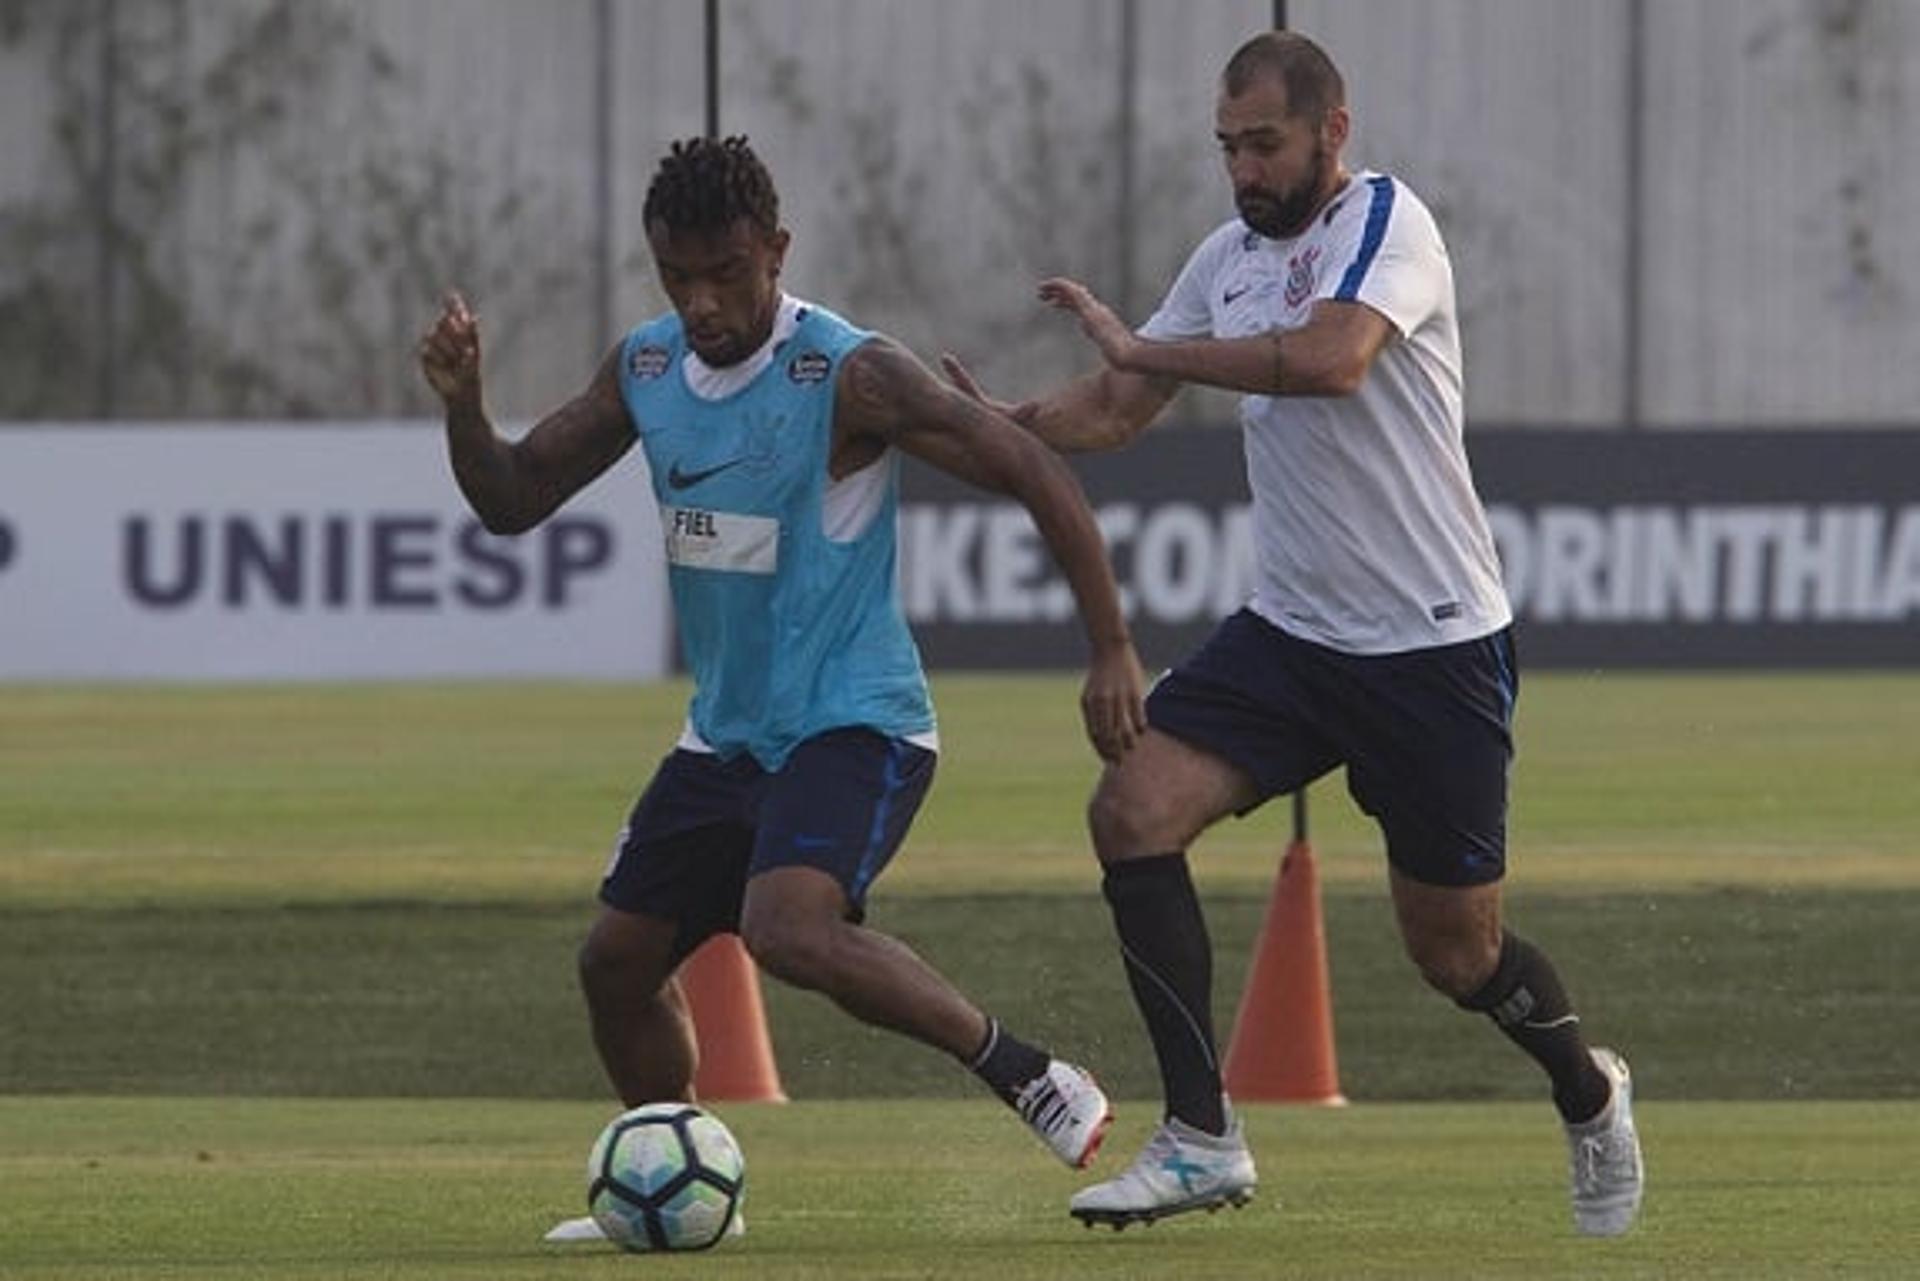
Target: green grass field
[
  {"x": 139, "y": 1188},
  {"x": 286, "y": 991}
]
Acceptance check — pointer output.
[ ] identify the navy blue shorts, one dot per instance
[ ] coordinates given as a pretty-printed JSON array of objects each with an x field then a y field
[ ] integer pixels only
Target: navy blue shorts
[
  {"x": 842, "y": 802},
  {"x": 1426, "y": 735}
]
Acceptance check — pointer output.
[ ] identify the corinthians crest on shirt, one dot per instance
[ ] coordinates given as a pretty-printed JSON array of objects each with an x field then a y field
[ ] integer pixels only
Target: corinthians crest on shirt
[{"x": 1303, "y": 271}]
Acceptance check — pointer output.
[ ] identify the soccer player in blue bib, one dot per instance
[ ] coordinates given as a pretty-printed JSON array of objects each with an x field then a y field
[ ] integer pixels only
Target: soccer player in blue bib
[
  {"x": 1377, "y": 637},
  {"x": 772, "y": 430}
]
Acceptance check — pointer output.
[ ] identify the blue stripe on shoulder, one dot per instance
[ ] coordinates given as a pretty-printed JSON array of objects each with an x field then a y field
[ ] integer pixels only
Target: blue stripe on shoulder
[{"x": 1378, "y": 211}]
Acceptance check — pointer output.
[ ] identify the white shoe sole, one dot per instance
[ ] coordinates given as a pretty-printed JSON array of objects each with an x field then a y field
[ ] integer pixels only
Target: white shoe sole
[
  {"x": 1095, "y": 1138},
  {"x": 1119, "y": 1220}
]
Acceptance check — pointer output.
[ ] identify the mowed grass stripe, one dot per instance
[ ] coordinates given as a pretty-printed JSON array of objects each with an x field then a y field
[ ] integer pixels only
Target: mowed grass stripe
[
  {"x": 1732, "y": 994},
  {"x": 511, "y": 792},
  {"x": 425, "y": 1190}
]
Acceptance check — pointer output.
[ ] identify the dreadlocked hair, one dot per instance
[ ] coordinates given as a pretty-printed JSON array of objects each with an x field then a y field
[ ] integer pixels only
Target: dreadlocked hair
[{"x": 706, "y": 185}]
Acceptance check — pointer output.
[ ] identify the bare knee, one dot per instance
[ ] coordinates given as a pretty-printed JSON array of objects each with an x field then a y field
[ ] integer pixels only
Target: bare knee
[
  {"x": 793, "y": 921},
  {"x": 1160, "y": 797},
  {"x": 794, "y": 949},
  {"x": 1122, "y": 822},
  {"x": 623, "y": 959},
  {"x": 600, "y": 968},
  {"x": 1457, "y": 966},
  {"x": 1452, "y": 933}
]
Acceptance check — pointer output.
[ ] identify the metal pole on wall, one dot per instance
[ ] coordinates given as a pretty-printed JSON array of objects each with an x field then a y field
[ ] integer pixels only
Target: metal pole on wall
[
  {"x": 1299, "y": 797},
  {"x": 1124, "y": 233},
  {"x": 606, "y": 109},
  {"x": 107, "y": 272},
  {"x": 1632, "y": 301},
  {"x": 713, "y": 68}
]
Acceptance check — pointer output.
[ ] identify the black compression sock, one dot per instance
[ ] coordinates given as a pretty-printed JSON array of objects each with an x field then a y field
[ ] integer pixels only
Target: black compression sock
[
  {"x": 1005, "y": 1062},
  {"x": 1525, "y": 1000},
  {"x": 1169, "y": 959}
]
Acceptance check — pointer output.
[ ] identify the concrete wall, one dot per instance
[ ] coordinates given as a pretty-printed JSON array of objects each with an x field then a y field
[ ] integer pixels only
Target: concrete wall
[{"x": 1663, "y": 213}]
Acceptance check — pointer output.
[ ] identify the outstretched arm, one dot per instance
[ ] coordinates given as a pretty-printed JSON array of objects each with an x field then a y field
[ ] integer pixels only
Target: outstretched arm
[
  {"x": 514, "y": 485},
  {"x": 1101, "y": 410},
  {"x": 888, "y": 396},
  {"x": 1327, "y": 356}
]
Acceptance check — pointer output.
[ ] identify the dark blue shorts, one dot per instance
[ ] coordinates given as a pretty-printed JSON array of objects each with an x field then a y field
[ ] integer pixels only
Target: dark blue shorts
[
  {"x": 842, "y": 802},
  {"x": 1426, "y": 735}
]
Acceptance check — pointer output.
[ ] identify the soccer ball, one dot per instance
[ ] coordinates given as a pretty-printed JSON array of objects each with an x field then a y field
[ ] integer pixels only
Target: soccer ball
[{"x": 665, "y": 1176}]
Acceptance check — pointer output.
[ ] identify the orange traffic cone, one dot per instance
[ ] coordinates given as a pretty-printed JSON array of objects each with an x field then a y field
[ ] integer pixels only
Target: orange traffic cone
[
  {"x": 1282, "y": 1047},
  {"x": 722, "y": 988}
]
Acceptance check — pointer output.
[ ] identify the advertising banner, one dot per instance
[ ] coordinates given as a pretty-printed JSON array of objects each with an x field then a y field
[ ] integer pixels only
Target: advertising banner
[
  {"x": 1654, "y": 549},
  {"x": 343, "y": 551},
  {"x": 291, "y": 551}
]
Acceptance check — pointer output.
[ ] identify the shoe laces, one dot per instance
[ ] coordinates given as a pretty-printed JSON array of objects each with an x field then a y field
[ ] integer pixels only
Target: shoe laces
[
  {"x": 1171, "y": 1159},
  {"x": 1163, "y": 1147},
  {"x": 1600, "y": 1159}
]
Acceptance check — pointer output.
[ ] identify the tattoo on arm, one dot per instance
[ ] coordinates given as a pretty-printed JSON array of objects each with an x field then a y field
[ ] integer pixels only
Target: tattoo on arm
[
  {"x": 886, "y": 388},
  {"x": 890, "y": 397},
  {"x": 566, "y": 450}
]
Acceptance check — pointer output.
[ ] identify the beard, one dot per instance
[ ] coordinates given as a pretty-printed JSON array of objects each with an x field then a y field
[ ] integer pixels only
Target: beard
[{"x": 1281, "y": 215}]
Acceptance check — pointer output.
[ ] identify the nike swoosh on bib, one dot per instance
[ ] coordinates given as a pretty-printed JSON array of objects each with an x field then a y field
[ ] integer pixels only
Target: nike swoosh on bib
[{"x": 677, "y": 479}]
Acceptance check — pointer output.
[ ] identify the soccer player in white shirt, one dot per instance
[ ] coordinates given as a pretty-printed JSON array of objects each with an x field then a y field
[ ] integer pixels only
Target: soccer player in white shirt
[{"x": 1377, "y": 636}]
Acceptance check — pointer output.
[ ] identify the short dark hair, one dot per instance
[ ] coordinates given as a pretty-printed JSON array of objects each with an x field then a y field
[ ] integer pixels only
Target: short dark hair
[
  {"x": 708, "y": 184},
  {"x": 1313, "y": 83}
]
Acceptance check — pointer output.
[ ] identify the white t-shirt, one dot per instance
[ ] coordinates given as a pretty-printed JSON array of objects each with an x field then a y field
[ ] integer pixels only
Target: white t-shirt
[{"x": 1368, "y": 535}]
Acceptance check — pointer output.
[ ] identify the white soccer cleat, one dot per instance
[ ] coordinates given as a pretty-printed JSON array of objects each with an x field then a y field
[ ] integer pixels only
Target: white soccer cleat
[
  {"x": 1066, "y": 1107},
  {"x": 1181, "y": 1169},
  {"x": 1608, "y": 1176},
  {"x": 568, "y": 1231}
]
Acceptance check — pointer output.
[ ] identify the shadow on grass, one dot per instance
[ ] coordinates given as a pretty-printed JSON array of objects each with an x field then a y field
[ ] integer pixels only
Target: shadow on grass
[{"x": 1716, "y": 994}]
